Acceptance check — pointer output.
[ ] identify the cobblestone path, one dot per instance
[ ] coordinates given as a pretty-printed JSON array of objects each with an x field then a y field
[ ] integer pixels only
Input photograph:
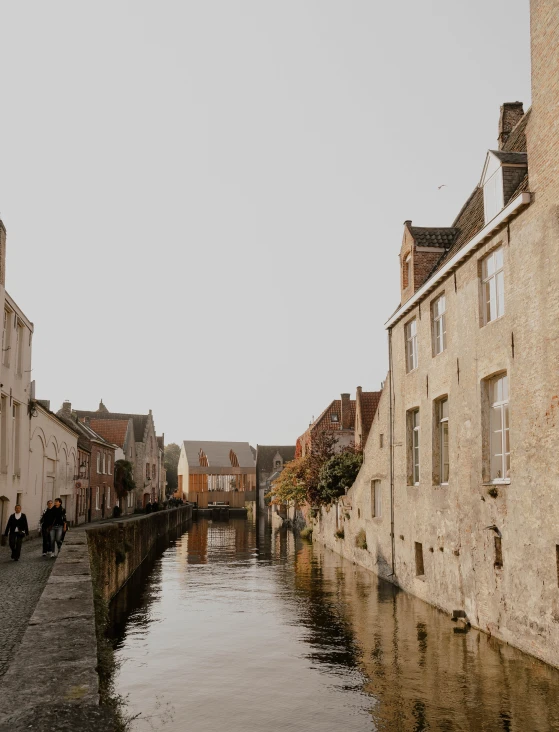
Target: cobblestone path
[{"x": 21, "y": 585}]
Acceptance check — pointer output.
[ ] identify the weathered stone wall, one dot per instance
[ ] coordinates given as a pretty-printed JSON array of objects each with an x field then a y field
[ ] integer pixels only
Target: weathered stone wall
[{"x": 118, "y": 548}]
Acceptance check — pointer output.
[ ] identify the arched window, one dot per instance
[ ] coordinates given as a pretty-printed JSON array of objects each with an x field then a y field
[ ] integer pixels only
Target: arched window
[
  {"x": 233, "y": 459},
  {"x": 202, "y": 459}
]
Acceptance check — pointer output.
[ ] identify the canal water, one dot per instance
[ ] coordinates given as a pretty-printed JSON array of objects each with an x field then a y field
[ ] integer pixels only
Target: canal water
[{"x": 243, "y": 628}]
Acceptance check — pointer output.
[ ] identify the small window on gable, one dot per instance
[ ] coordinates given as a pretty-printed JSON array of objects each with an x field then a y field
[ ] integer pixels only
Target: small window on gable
[
  {"x": 406, "y": 272},
  {"x": 334, "y": 418}
]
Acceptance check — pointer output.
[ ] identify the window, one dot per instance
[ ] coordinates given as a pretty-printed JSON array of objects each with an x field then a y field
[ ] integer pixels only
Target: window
[
  {"x": 419, "y": 566},
  {"x": 16, "y": 429},
  {"x": 108, "y": 497},
  {"x": 442, "y": 439},
  {"x": 153, "y": 472},
  {"x": 438, "y": 314},
  {"x": 278, "y": 464},
  {"x": 498, "y": 552},
  {"x": 493, "y": 198},
  {"x": 147, "y": 471},
  {"x": 381, "y": 440},
  {"x": 109, "y": 464},
  {"x": 493, "y": 286},
  {"x": 406, "y": 273},
  {"x": 413, "y": 446},
  {"x": 6, "y": 337},
  {"x": 19, "y": 344},
  {"x": 97, "y": 498},
  {"x": 334, "y": 418},
  {"x": 499, "y": 428},
  {"x": 98, "y": 462},
  {"x": 411, "y": 345},
  {"x": 376, "y": 499},
  {"x": 103, "y": 463}
]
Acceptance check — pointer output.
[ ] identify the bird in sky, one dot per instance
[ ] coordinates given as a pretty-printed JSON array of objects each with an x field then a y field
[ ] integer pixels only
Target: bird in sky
[{"x": 442, "y": 186}]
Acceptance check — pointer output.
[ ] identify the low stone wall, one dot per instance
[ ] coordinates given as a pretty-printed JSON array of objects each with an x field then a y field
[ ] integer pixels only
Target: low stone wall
[
  {"x": 52, "y": 682},
  {"x": 118, "y": 548}
]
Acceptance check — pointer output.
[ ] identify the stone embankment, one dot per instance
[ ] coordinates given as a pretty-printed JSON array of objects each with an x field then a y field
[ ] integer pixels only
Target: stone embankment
[{"x": 52, "y": 681}]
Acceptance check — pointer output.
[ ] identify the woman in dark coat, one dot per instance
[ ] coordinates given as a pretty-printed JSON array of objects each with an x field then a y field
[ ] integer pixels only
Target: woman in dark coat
[{"x": 17, "y": 529}]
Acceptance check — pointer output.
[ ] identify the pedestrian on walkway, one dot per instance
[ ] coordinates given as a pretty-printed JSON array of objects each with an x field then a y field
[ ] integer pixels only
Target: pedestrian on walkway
[
  {"x": 46, "y": 521},
  {"x": 58, "y": 526},
  {"x": 17, "y": 529}
]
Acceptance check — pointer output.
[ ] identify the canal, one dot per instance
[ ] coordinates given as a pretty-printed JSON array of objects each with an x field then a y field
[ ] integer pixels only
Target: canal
[{"x": 239, "y": 627}]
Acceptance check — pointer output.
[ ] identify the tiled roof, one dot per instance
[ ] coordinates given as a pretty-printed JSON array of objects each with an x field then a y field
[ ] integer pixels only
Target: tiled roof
[
  {"x": 139, "y": 420},
  {"x": 433, "y": 236},
  {"x": 369, "y": 404},
  {"x": 113, "y": 430},
  {"x": 335, "y": 408},
  {"x": 83, "y": 430},
  {"x": 471, "y": 217},
  {"x": 218, "y": 453},
  {"x": 265, "y": 455}
]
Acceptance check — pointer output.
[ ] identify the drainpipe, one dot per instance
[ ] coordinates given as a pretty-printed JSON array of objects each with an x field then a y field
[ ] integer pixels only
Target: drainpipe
[{"x": 390, "y": 394}]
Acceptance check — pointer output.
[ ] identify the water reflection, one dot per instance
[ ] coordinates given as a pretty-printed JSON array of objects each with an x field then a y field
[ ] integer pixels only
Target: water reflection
[{"x": 239, "y": 627}]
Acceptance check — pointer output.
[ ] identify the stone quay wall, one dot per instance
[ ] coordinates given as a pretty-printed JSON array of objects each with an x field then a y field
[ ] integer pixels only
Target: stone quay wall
[
  {"x": 52, "y": 681},
  {"x": 117, "y": 549}
]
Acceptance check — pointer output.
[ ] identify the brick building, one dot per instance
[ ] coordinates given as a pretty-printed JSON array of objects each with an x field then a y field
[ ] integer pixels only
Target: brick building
[
  {"x": 135, "y": 435},
  {"x": 350, "y": 420},
  {"x": 458, "y": 490},
  {"x": 94, "y": 480}
]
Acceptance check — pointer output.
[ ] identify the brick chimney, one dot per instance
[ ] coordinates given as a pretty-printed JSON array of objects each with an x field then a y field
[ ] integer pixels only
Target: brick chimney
[
  {"x": 346, "y": 412},
  {"x": 67, "y": 409},
  {"x": 511, "y": 114}
]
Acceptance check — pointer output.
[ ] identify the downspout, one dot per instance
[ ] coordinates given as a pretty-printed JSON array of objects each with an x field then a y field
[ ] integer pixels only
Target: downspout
[{"x": 391, "y": 396}]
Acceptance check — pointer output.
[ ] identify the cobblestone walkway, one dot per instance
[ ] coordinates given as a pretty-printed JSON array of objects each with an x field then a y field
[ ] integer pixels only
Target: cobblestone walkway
[{"x": 21, "y": 585}]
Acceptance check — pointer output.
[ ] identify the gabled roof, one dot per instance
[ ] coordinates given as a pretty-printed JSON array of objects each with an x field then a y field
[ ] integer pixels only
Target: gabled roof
[
  {"x": 218, "y": 453},
  {"x": 428, "y": 236},
  {"x": 84, "y": 431},
  {"x": 265, "y": 455},
  {"x": 139, "y": 420},
  {"x": 113, "y": 430},
  {"x": 335, "y": 407},
  {"x": 369, "y": 404}
]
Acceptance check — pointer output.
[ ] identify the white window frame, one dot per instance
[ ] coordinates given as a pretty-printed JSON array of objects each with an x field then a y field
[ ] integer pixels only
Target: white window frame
[
  {"x": 493, "y": 195},
  {"x": 103, "y": 463},
  {"x": 415, "y": 434},
  {"x": 411, "y": 345},
  {"x": 444, "y": 453},
  {"x": 499, "y": 439},
  {"x": 108, "y": 464},
  {"x": 97, "y": 496},
  {"x": 98, "y": 463},
  {"x": 438, "y": 314},
  {"x": 493, "y": 285},
  {"x": 407, "y": 268},
  {"x": 108, "y": 494}
]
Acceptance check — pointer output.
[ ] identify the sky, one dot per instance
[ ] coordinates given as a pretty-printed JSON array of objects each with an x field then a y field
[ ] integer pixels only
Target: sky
[{"x": 205, "y": 199}]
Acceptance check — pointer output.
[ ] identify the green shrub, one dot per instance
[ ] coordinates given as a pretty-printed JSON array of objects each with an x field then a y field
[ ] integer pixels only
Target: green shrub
[
  {"x": 340, "y": 534},
  {"x": 306, "y": 533},
  {"x": 361, "y": 539}
]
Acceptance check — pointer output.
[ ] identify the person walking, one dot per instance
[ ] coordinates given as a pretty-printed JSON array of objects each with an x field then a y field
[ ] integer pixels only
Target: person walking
[
  {"x": 17, "y": 529},
  {"x": 46, "y": 521},
  {"x": 58, "y": 526}
]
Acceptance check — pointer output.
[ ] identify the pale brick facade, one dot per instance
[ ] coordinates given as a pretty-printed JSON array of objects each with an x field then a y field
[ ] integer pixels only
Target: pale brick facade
[{"x": 486, "y": 540}]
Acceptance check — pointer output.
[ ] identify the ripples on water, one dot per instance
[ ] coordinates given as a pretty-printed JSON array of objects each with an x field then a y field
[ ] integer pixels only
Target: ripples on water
[{"x": 241, "y": 630}]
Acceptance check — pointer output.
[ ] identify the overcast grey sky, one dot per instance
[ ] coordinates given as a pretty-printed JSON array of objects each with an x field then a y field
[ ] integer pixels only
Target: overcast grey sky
[{"x": 204, "y": 199}]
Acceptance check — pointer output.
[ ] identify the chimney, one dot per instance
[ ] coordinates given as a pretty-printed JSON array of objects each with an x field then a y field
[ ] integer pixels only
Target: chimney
[
  {"x": 346, "y": 412},
  {"x": 511, "y": 114},
  {"x": 67, "y": 408}
]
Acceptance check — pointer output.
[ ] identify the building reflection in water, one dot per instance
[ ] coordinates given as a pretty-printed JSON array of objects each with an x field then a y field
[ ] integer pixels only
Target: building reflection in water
[{"x": 395, "y": 660}]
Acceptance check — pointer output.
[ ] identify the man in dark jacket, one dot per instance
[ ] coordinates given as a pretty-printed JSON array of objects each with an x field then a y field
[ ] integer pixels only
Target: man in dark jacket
[
  {"x": 58, "y": 527},
  {"x": 46, "y": 522},
  {"x": 17, "y": 528}
]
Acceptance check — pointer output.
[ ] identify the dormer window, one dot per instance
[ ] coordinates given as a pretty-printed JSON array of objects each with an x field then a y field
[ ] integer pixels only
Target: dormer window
[
  {"x": 334, "y": 418},
  {"x": 502, "y": 174}
]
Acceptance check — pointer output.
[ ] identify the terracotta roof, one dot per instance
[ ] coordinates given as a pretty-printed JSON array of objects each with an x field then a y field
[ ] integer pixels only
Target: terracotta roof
[
  {"x": 369, "y": 404},
  {"x": 335, "y": 408},
  {"x": 139, "y": 420},
  {"x": 425, "y": 236},
  {"x": 113, "y": 430}
]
